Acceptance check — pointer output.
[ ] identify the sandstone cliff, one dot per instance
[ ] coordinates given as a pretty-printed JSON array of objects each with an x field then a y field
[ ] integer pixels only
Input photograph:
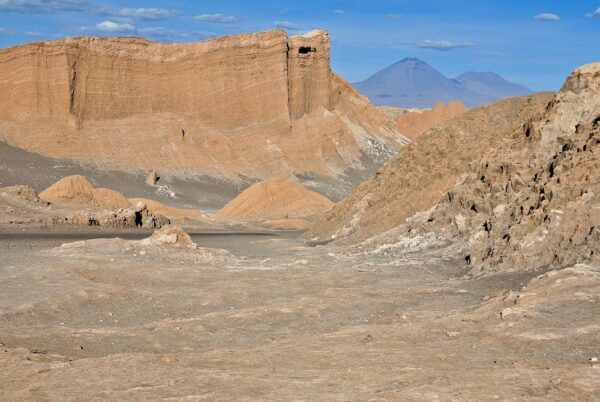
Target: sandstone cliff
[
  {"x": 254, "y": 105},
  {"x": 413, "y": 124}
]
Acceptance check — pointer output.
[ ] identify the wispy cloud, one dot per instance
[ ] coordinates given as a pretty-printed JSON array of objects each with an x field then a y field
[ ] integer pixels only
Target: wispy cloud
[
  {"x": 217, "y": 18},
  {"x": 394, "y": 16},
  {"x": 150, "y": 14},
  {"x": 442, "y": 45},
  {"x": 593, "y": 14},
  {"x": 43, "y": 6},
  {"x": 339, "y": 12},
  {"x": 4, "y": 31},
  {"x": 546, "y": 17},
  {"x": 115, "y": 27},
  {"x": 290, "y": 26}
]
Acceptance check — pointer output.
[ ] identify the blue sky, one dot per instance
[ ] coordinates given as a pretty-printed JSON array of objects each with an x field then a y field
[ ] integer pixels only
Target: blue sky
[{"x": 534, "y": 42}]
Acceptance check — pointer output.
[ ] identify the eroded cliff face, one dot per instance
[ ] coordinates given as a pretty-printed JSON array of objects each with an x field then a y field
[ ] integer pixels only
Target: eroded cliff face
[{"x": 253, "y": 105}]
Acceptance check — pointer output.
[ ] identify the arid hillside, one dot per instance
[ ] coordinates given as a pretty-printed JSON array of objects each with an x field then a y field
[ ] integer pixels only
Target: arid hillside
[
  {"x": 534, "y": 201},
  {"x": 414, "y": 123},
  {"x": 253, "y": 105},
  {"x": 424, "y": 171}
]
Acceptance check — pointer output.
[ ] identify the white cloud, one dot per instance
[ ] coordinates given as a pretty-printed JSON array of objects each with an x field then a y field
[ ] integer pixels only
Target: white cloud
[
  {"x": 151, "y": 14},
  {"x": 593, "y": 14},
  {"x": 546, "y": 17},
  {"x": 217, "y": 18},
  {"x": 394, "y": 16},
  {"x": 43, "y": 6},
  {"x": 290, "y": 26},
  {"x": 442, "y": 44},
  {"x": 114, "y": 27},
  {"x": 4, "y": 31},
  {"x": 339, "y": 12},
  {"x": 34, "y": 34}
]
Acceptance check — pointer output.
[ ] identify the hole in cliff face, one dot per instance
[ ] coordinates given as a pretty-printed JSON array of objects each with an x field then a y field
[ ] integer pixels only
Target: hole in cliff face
[{"x": 306, "y": 50}]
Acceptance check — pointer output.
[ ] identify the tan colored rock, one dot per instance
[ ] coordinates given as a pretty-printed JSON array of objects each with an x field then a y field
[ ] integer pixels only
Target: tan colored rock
[
  {"x": 170, "y": 235},
  {"x": 275, "y": 198},
  {"x": 534, "y": 200},
  {"x": 415, "y": 123},
  {"x": 259, "y": 104},
  {"x": 175, "y": 214},
  {"x": 20, "y": 192},
  {"x": 78, "y": 190},
  {"x": 152, "y": 178},
  {"x": 424, "y": 171}
]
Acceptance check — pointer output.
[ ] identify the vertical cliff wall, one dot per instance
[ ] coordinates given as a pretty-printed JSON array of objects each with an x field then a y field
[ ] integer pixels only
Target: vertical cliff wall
[{"x": 254, "y": 105}]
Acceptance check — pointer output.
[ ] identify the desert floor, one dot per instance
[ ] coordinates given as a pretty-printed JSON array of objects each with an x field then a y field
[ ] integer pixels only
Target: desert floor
[{"x": 274, "y": 319}]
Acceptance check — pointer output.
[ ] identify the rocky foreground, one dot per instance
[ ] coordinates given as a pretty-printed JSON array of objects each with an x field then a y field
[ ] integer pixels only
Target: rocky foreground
[{"x": 157, "y": 319}]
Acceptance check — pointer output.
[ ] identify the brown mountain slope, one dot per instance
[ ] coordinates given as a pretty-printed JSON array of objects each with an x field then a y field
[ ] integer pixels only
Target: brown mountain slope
[
  {"x": 424, "y": 171},
  {"x": 534, "y": 201},
  {"x": 255, "y": 105},
  {"x": 413, "y": 124}
]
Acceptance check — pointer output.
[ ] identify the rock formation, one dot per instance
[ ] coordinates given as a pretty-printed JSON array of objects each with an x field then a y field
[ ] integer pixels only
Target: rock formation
[
  {"x": 508, "y": 197},
  {"x": 170, "y": 235},
  {"x": 79, "y": 191},
  {"x": 534, "y": 200},
  {"x": 173, "y": 214},
  {"x": 413, "y": 124},
  {"x": 253, "y": 105},
  {"x": 424, "y": 171},
  {"x": 275, "y": 199}
]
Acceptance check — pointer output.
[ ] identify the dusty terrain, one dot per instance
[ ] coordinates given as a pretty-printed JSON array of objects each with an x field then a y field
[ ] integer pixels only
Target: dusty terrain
[{"x": 120, "y": 320}]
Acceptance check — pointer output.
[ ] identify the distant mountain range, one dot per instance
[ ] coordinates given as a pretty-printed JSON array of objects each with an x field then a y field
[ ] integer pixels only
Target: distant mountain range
[{"x": 413, "y": 83}]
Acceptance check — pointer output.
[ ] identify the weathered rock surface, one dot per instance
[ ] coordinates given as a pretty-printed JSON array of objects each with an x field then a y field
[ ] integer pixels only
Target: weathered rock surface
[
  {"x": 20, "y": 192},
  {"x": 275, "y": 199},
  {"x": 534, "y": 200},
  {"x": 413, "y": 124},
  {"x": 424, "y": 171},
  {"x": 170, "y": 235},
  {"x": 253, "y": 105},
  {"x": 173, "y": 214}
]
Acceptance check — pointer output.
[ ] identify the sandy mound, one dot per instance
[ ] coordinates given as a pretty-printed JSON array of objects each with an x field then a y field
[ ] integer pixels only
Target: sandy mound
[
  {"x": 79, "y": 191},
  {"x": 424, "y": 171},
  {"x": 275, "y": 199},
  {"x": 413, "y": 124},
  {"x": 170, "y": 235},
  {"x": 170, "y": 212}
]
